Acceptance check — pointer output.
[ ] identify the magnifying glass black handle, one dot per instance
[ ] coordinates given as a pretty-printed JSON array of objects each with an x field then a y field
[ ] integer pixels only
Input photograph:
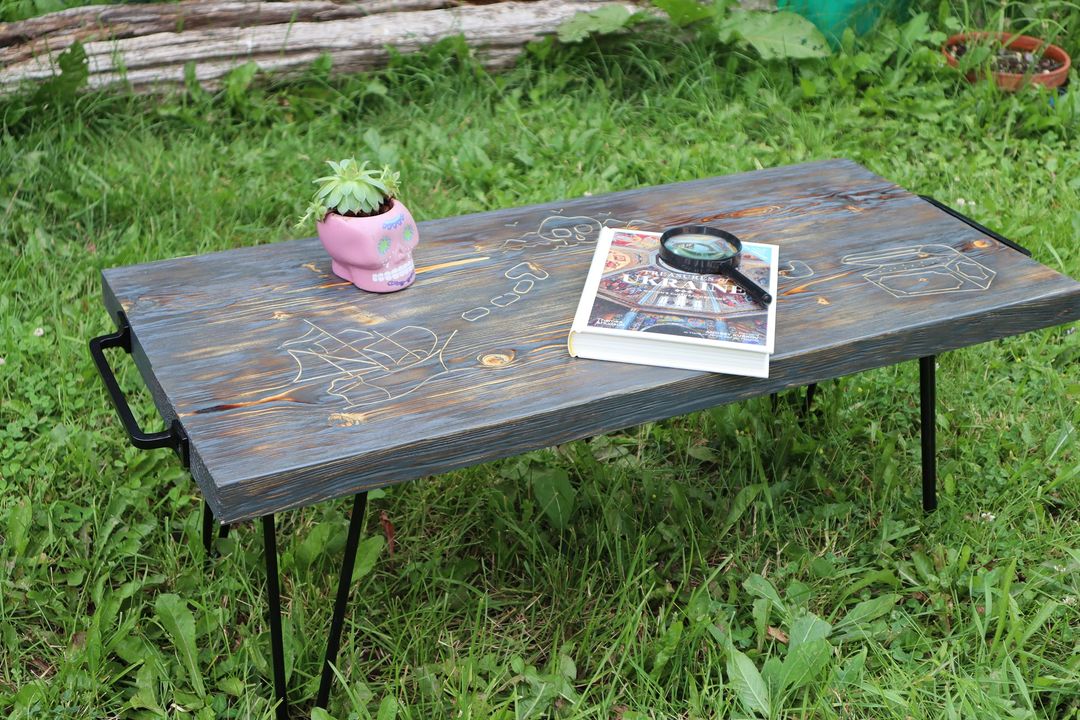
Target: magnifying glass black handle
[{"x": 755, "y": 291}]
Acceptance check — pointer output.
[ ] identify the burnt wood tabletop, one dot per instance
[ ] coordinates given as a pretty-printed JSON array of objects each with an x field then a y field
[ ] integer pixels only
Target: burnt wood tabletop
[{"x": 293, "y": 386}]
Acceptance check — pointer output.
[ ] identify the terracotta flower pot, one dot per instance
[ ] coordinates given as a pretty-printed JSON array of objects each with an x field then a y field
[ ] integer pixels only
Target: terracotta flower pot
[
  {"x": 373, "y": 253},
  {"x": 1023, "y": 43}
]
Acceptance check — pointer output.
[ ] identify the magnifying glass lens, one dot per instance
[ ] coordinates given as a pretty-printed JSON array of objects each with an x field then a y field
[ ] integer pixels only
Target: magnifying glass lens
[
  {"x": 710, "y": 251},
  {"x": 699, "y": 246}
]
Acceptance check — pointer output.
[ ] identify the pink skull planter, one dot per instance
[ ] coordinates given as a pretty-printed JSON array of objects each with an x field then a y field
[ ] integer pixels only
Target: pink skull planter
[{"x": 373, "y": 253}]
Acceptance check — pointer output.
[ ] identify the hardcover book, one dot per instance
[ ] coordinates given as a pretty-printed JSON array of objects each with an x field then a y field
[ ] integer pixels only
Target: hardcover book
[{"x": 636, "y": 309}]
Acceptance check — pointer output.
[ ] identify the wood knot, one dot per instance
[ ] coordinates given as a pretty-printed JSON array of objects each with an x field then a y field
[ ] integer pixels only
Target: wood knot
[
  {"x": 344, "y": 419},
  {"x": 497, "y": 358},
  {"x": 367, "y": 318}
]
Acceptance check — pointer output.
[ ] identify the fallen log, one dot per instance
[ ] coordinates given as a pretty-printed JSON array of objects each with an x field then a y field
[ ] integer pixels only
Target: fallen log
[
  {"x": 58, "y": 30},
  {"x": 275, "y": 40}
]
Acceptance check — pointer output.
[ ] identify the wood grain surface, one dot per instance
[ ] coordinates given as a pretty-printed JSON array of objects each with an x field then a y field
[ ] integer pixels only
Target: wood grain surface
[{"x": 296, "y": 387}]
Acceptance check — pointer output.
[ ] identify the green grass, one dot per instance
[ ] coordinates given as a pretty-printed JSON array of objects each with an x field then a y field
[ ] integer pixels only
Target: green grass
[{"x": 655, "y": 596}]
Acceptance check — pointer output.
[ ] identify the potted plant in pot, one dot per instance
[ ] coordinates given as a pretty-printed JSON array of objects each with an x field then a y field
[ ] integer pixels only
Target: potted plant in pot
[
  {"x": 1015, "y": 59},
  {"x": 368, "y": 233}
]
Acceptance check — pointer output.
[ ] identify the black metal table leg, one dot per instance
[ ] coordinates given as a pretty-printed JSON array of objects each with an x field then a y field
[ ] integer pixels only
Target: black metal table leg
[
  {"x": 810, "y": 390},
  {"x": 333, "y": 642},
  {"x": 774, "y": 399},
  {"x": 277, "y": 647},
  {"x": 207, "y": 527},
  {"x": 928, "y": 429}
]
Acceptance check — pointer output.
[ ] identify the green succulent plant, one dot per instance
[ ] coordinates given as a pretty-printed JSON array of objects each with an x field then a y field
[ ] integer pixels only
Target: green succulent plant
[{"x": 352, "y": 188}]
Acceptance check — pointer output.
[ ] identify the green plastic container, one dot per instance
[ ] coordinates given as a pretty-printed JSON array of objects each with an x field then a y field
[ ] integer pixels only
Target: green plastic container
[{"x": 832, "y": 17}]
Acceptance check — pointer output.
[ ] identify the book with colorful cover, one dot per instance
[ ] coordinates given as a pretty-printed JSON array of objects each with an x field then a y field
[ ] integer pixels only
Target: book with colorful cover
[{"x": 636, "y": 309}]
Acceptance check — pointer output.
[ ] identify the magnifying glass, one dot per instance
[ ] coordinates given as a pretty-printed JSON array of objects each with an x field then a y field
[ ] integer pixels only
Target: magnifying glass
[{"x": 707, "y": 250}]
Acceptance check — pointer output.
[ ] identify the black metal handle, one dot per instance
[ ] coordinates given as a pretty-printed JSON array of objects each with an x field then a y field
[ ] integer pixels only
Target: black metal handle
[
  {"x": 981, "y": 228},
  {"x": 755, "y": 291},
  {"x": 174, "y": 437}
]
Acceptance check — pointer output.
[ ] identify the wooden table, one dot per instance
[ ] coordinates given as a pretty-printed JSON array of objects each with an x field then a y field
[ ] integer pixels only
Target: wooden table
[{"x": 283, "y": 385}]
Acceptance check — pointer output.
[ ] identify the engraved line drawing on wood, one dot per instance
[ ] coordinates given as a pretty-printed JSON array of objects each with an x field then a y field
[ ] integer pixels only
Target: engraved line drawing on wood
[
  {"x": 555, "y": 232},
  {"x": 366, "y": 366},
  {"x": 558, "y": 232},
  {"x": 794, "y": 270},
  {"x": 921, "y": 270},
  {"x": 526, "y": 274}
]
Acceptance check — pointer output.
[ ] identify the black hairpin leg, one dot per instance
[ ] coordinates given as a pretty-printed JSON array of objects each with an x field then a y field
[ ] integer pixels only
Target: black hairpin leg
[
  {"x": 810, "y": 390},
  {"x": 208, "y": 528},
  {"x": 333, "y": 642},
  {"x": 774, "y": 399},
  {"x": 277, "y": 648},
  {"x": 928, "y": 428}
]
